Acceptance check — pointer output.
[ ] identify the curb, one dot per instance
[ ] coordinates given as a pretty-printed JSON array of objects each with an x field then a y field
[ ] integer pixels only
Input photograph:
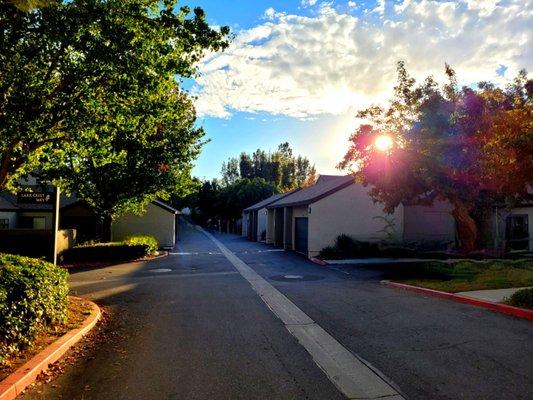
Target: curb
[
  {"x": 318, "y": 261},
  {"x": 27, "y": 374},
  {"x": 489, "y": 305}
]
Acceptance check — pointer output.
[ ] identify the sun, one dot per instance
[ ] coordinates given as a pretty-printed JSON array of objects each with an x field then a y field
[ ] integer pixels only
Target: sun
[{"x": 383, "y": 143}]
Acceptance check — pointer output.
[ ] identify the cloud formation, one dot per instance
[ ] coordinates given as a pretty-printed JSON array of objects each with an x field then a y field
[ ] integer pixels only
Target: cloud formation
[{"x": 332, "y": 62}]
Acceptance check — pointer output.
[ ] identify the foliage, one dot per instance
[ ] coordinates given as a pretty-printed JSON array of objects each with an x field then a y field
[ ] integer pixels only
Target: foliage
[
  {"x": 460, "y": 145},
  {"x": 521, "y": 298},
  {"x": 346, "y": 247},
  {"x": 33, "y": 296},
  {"x": 226, "y": 202},
  {"x": 147, "y": 240},
  {"x": 86, "y": 83},
  {"x": 280, "y": 168},
  {"x": 466, "y": 275},
  {"x": 106, "y": 252}
]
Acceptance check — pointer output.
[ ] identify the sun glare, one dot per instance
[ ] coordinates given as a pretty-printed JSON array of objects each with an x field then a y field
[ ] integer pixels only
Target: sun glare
[{"x": 383, "y": 143}]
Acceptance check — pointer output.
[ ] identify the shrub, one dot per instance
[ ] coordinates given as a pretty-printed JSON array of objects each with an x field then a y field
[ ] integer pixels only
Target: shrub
[
  {"x": 147, "y": 240},
  {"x": 105, "y": 252},
  {"x": 522, "y": 298},
  {"x": 33, "y": 296}
]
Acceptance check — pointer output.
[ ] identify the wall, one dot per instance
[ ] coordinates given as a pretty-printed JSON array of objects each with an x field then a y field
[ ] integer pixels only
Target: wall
[
  {"x": 498, "y": 230},
  {"x": 66, "y": 238},
  {"x": 156, "y": 221},
  {"x": 261, "y": 223},
  {"x": 270, "y": 226},
  {"x": 244, "y": 231},
  {"x": 429, "y": 223},
  {"x": 350, "y": 211},
  {"x": 11, "y": 216}
]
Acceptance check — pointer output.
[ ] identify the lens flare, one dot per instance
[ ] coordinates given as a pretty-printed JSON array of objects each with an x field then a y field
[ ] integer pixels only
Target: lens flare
[{"x": 383, "y": 143}]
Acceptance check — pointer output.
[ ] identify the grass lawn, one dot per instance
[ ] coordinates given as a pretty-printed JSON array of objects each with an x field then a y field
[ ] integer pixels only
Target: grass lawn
[{"x": 467, "y": 275}]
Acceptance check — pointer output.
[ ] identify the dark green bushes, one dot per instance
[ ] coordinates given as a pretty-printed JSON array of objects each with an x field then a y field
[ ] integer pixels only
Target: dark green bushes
[
  {"x": 33, "y": 296},
  {"x": 522, "y": 298},
  {"x": 105, "y": 252}
]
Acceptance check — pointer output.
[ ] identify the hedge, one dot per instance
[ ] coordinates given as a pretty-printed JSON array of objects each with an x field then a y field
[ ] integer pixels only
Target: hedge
[
  {"x": 33, "y": 296},
  {"x": 147, "y": 240},
  {"x": 107, "y": 252}
]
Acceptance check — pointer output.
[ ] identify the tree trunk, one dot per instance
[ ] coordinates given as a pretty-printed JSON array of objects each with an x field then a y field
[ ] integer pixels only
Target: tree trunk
[
  {"x": 106, "y": 228},
  {"x": 466, "y": 226}
]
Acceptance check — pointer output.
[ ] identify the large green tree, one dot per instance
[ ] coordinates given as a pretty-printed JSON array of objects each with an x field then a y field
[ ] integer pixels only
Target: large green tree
[
  {"x": 455, "y": 144},
  {"x": 67, "y": 67},
  {"x": 280, "y": 168}
]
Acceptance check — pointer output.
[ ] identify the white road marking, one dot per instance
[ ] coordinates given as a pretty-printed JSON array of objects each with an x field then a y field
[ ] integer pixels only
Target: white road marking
[{"x": 350, "y": 374}]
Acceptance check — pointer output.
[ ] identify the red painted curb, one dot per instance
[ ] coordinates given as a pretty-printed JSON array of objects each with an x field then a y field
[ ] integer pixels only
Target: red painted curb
[
  {"x": 502, "y": 308},
  {"x": 318, "y": 261},
  {"x": 19, "y": 380}
]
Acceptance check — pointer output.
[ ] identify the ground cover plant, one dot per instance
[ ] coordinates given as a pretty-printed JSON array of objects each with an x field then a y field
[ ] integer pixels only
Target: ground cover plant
[{"x": 459, "y": 276}]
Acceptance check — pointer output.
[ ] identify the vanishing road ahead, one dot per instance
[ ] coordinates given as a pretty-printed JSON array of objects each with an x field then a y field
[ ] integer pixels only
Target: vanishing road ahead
[{"x": 196, "y": 325}]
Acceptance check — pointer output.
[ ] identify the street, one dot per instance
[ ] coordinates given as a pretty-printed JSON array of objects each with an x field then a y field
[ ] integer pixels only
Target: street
[{"x": 190, "y": 326}]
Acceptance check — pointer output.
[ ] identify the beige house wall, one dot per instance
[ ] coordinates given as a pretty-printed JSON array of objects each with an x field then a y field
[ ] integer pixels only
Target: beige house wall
[
  {"x": 350, "y": 211},
  {"x": 155, "y": 221},
  {"x": 49, "y": 223},
  {"x": 261, "y": 223},
  {"x": 270, "y": 227},
  {"x": 429, "y": 223}
]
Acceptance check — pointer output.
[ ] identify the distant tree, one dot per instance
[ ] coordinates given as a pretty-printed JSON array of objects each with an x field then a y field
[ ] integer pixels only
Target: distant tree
[
  {"x": 280, "y": 168},
  {"x": 452, "y": 144},
  {"x": 64, "y": 66}
]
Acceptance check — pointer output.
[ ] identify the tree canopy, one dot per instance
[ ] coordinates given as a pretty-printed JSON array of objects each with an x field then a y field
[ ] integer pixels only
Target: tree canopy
[
  {"x": 70, "y": 71},
  {"x": 455, "y": 144},
  {"x": 280, "y": 168}
]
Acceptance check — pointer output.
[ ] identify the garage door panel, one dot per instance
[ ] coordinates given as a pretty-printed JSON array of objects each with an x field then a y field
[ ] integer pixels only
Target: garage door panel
[{"x": 301, "y": 233}]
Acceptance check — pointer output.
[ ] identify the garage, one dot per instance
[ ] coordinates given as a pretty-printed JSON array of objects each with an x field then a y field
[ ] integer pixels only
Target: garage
[{"x": 301, "y": 234}]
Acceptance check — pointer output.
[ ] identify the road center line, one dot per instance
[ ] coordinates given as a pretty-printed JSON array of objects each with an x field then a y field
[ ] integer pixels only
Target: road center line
[{"x": 350, "y": 374}]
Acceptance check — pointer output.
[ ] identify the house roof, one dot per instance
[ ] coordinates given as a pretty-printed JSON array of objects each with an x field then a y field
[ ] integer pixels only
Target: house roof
[
  {"x": 324, "y": 186},
  {"x": 165, "y": 206},
  {"x": 267, "y": 201}
]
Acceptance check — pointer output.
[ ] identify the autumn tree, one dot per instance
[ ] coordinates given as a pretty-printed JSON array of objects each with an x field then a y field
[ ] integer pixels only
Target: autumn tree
[{"x": 448, "y": 143}]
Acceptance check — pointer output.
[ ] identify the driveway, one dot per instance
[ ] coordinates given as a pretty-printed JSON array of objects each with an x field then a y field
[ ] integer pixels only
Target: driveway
[{"x": 189, "y": 326}]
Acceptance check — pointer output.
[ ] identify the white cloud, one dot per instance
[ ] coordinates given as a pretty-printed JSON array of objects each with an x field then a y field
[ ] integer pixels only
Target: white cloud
[
  {"x": 352, "y": 4},
  {"x": 332, "y": 63},
  {"x": 308, "y": 3}
]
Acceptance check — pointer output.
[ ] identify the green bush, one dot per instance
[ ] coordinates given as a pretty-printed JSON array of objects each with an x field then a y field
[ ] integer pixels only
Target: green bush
[
  {"x": 522, "y": 298},
  {"x": 105, "y": 252},
  {"x": 147, "y": 240},
  {"x": 33, "y": 296}
]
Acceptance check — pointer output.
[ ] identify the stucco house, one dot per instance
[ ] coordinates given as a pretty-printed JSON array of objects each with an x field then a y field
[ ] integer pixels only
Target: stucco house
[
  {"x": 159, "y": 220},
  {"x": 312, "y": 218},
  {"x": 254, "y": 218},
  {"x": 36, "y": 220}
]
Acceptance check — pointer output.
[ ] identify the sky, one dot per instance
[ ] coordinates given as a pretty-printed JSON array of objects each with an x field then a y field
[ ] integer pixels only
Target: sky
[{"x": 298, "y": 71}]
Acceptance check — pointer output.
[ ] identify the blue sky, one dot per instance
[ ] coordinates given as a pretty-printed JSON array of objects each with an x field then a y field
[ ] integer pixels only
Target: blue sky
[{"x": 299, "y": 70}]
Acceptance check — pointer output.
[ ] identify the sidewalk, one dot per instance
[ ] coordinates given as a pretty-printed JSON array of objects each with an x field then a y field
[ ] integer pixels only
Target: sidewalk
[{"x": 494, "y": 295}]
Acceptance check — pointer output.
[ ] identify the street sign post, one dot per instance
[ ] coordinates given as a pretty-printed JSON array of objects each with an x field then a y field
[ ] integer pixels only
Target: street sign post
[{"x": 35, "y": 198}]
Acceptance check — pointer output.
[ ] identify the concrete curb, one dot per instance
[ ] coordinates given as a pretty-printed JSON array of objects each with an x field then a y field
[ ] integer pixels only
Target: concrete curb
[
  {"x": 502, "y": 308},
  {"x": 27, "y": 374},
  {"x": 318, "y": 261}
]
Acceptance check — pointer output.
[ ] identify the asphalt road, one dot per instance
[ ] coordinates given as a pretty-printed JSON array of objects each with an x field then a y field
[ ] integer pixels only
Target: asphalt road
[{"x": 188, "y": 326}]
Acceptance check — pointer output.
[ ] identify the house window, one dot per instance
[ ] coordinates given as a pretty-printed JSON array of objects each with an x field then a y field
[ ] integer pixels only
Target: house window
[
  {"x": 517, "y": 231},
  {"x": 4, "y": 223},
  {"x": 39, "y": 223}
]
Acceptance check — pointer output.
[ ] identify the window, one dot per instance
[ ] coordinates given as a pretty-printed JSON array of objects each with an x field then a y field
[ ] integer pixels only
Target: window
[
  {"x": 4, "y": 223},
  {"x": 517, "y": 231},
  {"x": 39, "y": 223}
]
